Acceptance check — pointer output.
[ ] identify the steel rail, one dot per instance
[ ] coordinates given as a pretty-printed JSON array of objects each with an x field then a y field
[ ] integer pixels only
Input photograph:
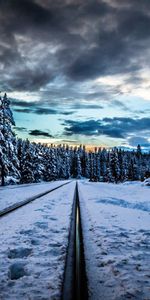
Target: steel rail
[{"x": 75, "y": 280}]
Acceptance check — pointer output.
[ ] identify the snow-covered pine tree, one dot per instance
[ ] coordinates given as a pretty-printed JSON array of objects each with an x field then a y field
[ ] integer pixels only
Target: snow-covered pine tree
[
  {"x": 73, "y": 166},
  {"x": 9, "y": 163},
  {"x": 64, "y": 163},
  {"x": 53, "y": 164},
  {"x": 103, "y": 163},
  {"x": 38, "y": 166},
  {"x": 114, "y": 170},
  {"x": 50, "y": 162},
  {"x": 79, "y": 170},
  {"x": 83, "y": 161},
  {"x": 87, "y": 165},
  {"x": 91, "y": 158},
  {"x": 27, "y": 174},
  {"x": 98, "y": 165}
]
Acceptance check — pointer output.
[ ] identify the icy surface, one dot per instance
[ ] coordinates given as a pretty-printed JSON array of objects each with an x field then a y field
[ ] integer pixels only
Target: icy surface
[
  {"x": 9, "y": 195},
  {"x": 33, "y": 247},
  {"x": 116, "y": 231}
]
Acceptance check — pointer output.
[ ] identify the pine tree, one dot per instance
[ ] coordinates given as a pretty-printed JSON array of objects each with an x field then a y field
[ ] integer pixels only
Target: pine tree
[
  {"x": 27, "y": 174},
  {"x": 8, "y": 152},
  {"x": 87, "y": 165},
  {"x": 114, "y": 170},
  {"x": 92, "y": 166},
  {"x": 79, "y": 171},
  {"x": 50, "y": 172}
]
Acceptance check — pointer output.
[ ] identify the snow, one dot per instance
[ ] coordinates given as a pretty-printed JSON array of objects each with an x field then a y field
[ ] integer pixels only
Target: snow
[
  {"x": 147, "y": 182},
  {"x": 10, "y": 195},
  {"x": 116, "y": 233},
  {"x": 33, "y": 244}
]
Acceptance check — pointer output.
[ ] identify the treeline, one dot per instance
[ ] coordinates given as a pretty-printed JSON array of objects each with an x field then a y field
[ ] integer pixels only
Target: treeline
[{"x": 24, "y": 162}]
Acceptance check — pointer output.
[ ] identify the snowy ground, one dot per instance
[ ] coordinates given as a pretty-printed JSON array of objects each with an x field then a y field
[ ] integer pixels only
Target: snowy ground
[
  {"x": 10, "y": 195},
  {"x": 33, "y": 245},
  {"x": 116, "y": 231}
]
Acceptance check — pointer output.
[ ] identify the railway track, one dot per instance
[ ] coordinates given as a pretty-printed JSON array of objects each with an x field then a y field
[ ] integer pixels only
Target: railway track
[
  {"x": 20, "y": 204},
  {"x": 75, "y": 280}
]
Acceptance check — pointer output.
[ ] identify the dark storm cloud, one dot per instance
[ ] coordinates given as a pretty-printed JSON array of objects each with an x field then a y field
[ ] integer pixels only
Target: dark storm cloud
[
  {"x": 30, "y": 80},
  {"x": 135, "y": 140},
  {"x": 24, "y": 110},
  {"x": 114, "y": 50},
  {"x": 86, "y": 106},
  {"x": 23, "y": 104},
  {"x": 21, "y": 129},
  {"x": 78, "y": 39},
  {"x": 48, "y": 111},
  {"x": 32, "y": 107},
  {"x": 112, "y": 127},
  {"x": 37, "y": 132},
  {"x": 43, "y": 111}
]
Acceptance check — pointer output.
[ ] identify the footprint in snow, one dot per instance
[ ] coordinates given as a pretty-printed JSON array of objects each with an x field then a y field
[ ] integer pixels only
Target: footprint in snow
[
  {"x": 46, "y": 217},
  {"x": 63, "y": 228},
  {"x": 55, "y": 245},
  {"x": 35, "y": 242},
  {"x": 123, "y": 234},
  {"x": 42, "y": 225},
  {"x": 53, "y": 219},
  {"x": 104, "y": 252},
  {"x": 27, "y": 232},
  {"x": 48, "y": 206},
  {"x": 147, "y": 233},
  {"x": 51, "y": 252},
  {"x": 116, "y": 272},
  {"x": 17, "y": 270},
  {"x": 105, "y": 263},
  {"x": 55, "y": 231},
  {"x": 19, "y": 252},
  {"x": 39, "y": 209},
  {"x": 55, "y": 251}
]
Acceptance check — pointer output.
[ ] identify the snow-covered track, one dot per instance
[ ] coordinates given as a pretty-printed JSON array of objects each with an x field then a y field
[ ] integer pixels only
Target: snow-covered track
[
  {"x": 75, "y": 280},
  {"x": 19, "y": 204}
]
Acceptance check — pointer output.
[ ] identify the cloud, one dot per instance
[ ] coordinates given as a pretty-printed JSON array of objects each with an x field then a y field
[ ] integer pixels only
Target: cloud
[
  {"x": 69, "y": 141},
  {"x": 23, "y": 104},
  {"x": 37, "y": 132},
  {"x": 111, "y": 127},
  {"x": 21, "y": 129},
  {"x": 43, "y": 111},
  {"x": 32, "y": 107},
  {"x": 86, "y": 106},
  {"x": 135, "y": 140},
  {"x": 119, "y": 104},
  {"x": 23, "y": 110},
  {"x": 79, "y": 39},
  {"x": 56, "y": 52}
]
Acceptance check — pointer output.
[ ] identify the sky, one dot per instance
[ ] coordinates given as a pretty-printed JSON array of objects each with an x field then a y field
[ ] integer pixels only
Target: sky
[{"x": 77, "y": 71}]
